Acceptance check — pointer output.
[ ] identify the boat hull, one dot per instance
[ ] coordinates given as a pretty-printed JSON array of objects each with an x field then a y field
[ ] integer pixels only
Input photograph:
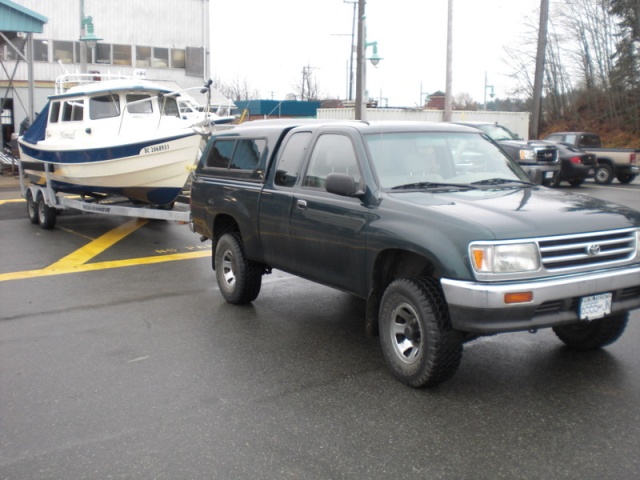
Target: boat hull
[{"x": 154, "y": 171}]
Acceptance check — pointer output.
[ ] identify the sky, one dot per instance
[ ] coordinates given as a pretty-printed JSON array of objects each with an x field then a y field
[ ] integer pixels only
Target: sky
[{"x": 267, "y": 44}]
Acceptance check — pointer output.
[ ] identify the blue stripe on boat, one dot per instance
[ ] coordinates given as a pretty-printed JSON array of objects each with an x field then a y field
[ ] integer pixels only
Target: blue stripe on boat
[{"x": 94, "y": 154}]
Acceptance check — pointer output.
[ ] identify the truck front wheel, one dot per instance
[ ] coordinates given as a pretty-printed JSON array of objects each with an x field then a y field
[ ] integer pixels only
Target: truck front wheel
[
  {"x": 603, "y": 174},
  {"x": 239, "y": 279},
  {"x": 594, "y": 334},
  {"x": 416, "y": 336}
]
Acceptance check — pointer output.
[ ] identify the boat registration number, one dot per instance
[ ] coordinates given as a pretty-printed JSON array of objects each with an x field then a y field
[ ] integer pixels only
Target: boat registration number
[
  {"x": 163, "y": 147},
  {"x": 595, "y": 306}
]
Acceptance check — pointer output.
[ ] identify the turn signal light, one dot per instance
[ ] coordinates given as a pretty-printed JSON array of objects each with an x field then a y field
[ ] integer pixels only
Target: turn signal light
[{"x": 518, "y": 297}]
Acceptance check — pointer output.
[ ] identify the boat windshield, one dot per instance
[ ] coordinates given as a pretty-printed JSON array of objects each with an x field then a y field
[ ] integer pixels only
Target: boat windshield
[{"x": 432, "y": 158}]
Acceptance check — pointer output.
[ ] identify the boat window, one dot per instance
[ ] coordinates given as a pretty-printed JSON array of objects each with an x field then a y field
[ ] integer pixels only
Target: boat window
[
  {"x": 104, "y": 106},
  {"x": 140, "y": 106},
  {"x": 169, "y": 106},
  {"x": 73, "y": 111},
  {"x": 54, "y": 112}
]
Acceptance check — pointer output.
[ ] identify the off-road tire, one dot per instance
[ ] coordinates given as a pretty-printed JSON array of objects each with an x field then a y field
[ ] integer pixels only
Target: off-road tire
[
  {"x": 239, "y": 279},
  {"x": 417, "y": 340},
  {"x": 594, "y": 334}
]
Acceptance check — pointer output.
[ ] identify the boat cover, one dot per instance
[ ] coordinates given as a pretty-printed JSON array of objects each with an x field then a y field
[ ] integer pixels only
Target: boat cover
[{"x": 38, "y": 128}]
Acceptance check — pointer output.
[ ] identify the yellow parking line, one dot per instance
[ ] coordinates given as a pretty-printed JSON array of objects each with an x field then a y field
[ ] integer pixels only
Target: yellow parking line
[
  {"x": 90, "y": 267},
  {"x": 11, "y": 200},
  {"x": 76, "y": 261},
  {"x": 99, "y": 245}
]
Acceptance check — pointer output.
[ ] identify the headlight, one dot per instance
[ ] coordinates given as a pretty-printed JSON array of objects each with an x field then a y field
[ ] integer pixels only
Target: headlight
[
  {"x": 527, "y": 155},
  {"x": 506, "y": 258}
]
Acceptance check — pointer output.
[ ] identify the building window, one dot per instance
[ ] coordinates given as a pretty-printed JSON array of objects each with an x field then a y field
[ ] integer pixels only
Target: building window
[
  {"x": 160, "y": 57},
  {"x": 143, "y": 57},
  {"x": 122, "y": 54},
  {"x": 62, "y": 51},
  {"x": 41, "y": 50},
  {"x": 102, "y": 53},
  {"x": 177, "y": 58}
]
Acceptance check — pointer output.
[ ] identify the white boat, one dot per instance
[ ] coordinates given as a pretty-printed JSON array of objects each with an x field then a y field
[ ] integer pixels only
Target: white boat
[{"x": 115, "y": 136}]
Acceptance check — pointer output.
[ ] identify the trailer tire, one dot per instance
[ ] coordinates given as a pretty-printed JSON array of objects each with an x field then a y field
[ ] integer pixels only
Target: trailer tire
[
  {"x": 239, "y": 279},
  {"x": 46, "y": 214},
  {"x": 32, "y": 208}
]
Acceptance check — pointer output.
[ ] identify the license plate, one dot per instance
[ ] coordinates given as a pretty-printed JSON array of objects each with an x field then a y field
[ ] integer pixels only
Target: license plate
[
  {"x": 591, "y": 171},
  {"x": 548, "y": 174},
  {"x": 595, "y": 306}
]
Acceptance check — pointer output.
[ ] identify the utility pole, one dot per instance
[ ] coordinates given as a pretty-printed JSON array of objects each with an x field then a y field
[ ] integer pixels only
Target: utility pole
[
  {"x": 536, "y": 110},
  {"x": 360, "y": 107},
  {"x": 448, "y": 98}
]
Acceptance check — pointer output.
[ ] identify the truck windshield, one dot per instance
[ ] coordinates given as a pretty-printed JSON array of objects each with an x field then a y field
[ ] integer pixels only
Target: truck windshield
[{"x": 429, "y": 158}]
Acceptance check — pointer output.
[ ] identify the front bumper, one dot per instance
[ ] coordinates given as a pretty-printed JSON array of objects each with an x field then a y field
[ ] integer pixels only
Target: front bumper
[{"x": 480, "y": 307}]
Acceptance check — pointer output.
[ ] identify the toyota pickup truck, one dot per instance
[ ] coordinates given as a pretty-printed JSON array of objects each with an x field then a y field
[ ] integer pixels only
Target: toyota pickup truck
[
  {"x": 441, "y": 232},
  {"x": 620, "y": 163}
]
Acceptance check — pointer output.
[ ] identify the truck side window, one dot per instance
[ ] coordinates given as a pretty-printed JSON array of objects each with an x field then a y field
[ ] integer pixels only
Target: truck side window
[
  {"x": 220, "y": 154},
  {"x": 249, "y": 158},
  {"x": 332, "y": 154},
  {"x": 291, "y": 158}
]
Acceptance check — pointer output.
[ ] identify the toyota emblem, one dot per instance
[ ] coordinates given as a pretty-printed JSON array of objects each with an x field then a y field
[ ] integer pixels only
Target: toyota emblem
[{"x": 593, "y": 249}]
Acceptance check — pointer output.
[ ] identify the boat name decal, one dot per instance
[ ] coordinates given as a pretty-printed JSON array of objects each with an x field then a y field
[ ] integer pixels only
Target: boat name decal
[
  {"x": 155, "y": 148},
  {"x": 96, "y": 208},
  {"x": 68, "y": 135}
]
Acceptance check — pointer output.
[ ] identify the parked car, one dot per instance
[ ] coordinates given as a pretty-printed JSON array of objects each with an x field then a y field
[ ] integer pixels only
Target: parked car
[{"x": 576, "y": 165}]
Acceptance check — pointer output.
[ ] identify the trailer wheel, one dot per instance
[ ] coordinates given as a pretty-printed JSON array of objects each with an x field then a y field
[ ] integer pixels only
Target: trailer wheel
[
  {"x": 239, "y": 279},
  {"x": 415, "y": 333},
  {"x": 32, "y": 208},
  {"x": 46, "y": 214}
]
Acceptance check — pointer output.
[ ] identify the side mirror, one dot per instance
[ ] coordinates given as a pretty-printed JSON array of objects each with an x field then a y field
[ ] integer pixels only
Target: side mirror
[{"x": 342, "y": 184}]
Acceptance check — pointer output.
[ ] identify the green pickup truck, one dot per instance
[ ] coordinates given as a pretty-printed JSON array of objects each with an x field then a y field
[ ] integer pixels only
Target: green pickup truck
[
  {"x": 620, "y": 163},
  {"x": 441, "y": 232}
]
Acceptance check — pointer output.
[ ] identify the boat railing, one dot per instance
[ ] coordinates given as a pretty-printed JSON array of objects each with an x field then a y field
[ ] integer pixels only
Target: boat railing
[{"x": 68, "y": 80}]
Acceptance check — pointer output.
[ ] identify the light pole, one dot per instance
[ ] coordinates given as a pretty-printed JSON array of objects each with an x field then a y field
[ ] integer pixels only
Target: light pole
[
  {"x": 487, "y": 87},
  {"x": 87, "y": 38}
]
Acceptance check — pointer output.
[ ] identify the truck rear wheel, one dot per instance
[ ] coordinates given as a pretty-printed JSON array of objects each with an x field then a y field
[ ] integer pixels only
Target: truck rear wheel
[
  {"x": 416, "y": 336},
  {"x": 603, "y": 174},
  {"x": 626, "y": 177},
  {"x": 239, "y": 279},
  {"x": 594, "y": 334}
]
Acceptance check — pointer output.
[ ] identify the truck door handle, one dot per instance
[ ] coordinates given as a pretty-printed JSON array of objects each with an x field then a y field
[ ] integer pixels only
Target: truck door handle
[{"x": 302, "y": 204}]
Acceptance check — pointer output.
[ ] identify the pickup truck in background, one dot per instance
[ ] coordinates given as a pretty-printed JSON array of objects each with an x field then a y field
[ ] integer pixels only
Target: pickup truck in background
[
  {"x": 620, "y": 163},
  {"x": 540, "y": 160},
  {"x": 433, "y": 224}
]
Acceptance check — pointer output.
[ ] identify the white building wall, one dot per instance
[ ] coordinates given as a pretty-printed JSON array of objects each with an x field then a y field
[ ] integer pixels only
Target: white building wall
[{"x": 517, "y": 122}]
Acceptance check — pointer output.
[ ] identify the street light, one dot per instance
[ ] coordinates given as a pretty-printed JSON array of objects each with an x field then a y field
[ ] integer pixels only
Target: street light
[{"x": 87, "y": 38}]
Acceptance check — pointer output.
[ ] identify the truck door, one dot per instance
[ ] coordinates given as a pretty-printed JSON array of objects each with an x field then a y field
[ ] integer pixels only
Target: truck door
[{"x": 328, "y": 230}]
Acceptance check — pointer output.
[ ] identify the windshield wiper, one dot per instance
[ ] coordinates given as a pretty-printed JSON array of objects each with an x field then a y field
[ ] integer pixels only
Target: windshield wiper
[
  {"x": 409, "y": 186},
  {"x": 502, "y": 181}
]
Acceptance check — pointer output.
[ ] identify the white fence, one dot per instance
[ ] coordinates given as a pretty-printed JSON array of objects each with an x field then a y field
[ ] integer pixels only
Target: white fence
[{"x": 517, "y": 122}]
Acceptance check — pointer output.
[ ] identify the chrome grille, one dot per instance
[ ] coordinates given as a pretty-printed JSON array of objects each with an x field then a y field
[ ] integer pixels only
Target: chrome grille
[
  {"x": 546, "y": 155},
  {"x": 577, "y": 252}
]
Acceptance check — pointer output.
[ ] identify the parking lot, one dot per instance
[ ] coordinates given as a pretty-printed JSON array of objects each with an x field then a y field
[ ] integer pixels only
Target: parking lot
[{"x": 120, "y": 359}]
